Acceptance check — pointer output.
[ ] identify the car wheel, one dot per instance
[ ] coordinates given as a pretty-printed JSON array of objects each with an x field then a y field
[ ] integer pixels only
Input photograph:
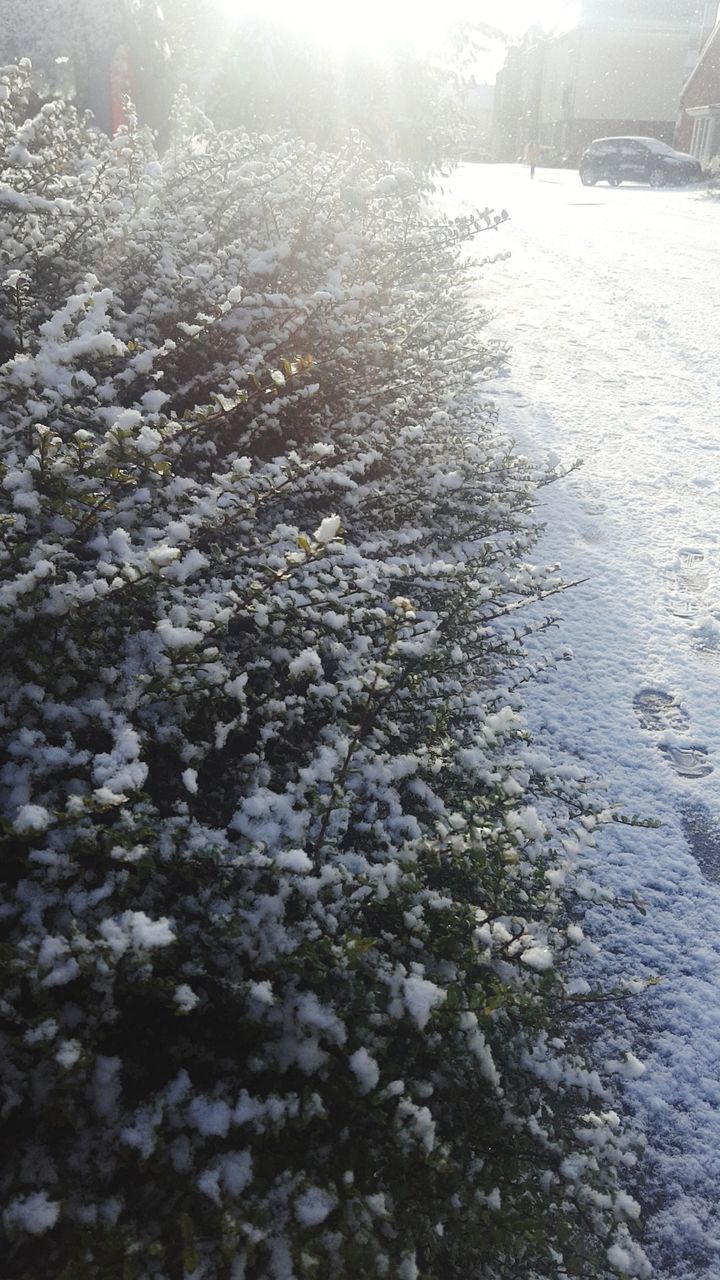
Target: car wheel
[
  {"x": 588, "y": 178},
  {"x": 614, "y": 182},
  {"x": 657, "y": 178}
]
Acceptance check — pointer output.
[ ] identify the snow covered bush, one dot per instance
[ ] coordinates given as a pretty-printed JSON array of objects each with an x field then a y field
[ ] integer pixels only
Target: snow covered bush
[{"x": 285, "y": 910}]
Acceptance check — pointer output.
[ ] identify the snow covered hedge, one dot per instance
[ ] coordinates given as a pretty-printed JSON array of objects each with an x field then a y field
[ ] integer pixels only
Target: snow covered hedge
[{"x": 283, "y": 911}]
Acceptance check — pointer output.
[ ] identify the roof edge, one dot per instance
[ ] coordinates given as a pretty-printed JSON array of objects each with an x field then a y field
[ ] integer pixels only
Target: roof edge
[{"x": 714, "y": 35}]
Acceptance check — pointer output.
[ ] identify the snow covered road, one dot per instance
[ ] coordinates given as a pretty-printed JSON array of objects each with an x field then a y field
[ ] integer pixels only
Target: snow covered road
[{"x": 611, "y": 307}]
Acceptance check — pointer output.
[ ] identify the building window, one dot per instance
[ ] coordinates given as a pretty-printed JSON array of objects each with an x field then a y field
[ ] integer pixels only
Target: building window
[{"x": 700, "y": 136}]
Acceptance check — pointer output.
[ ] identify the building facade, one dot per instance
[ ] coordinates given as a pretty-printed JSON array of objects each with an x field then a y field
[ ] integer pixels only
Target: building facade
[
  {"x": 698, "y": 128},
  {"x": 518, "y": 92},
  {"x": 609, "y": 67},
  {"x": 619, "y": 69}
]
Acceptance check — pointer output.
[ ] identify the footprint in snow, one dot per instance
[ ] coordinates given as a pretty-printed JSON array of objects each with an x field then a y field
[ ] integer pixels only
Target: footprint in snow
[
  {"x": 689, "y": 762},
  {"x": 690, "y": 557},
  {"x": 683, "y": 608},
  {"x": 588, "y": 502},
  {"x": 692, "y": 576},
  {"x": 706, "y": 639},
  {"x": 702, "y": 832},
  {"x": 659, "y": 712},
  {"x": 688, "y": 580},
  {"x": 593, "y": 533}
]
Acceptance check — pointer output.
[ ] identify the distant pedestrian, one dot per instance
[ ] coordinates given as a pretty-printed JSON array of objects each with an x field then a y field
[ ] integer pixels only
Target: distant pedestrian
[{"x": 532, "y": 156}]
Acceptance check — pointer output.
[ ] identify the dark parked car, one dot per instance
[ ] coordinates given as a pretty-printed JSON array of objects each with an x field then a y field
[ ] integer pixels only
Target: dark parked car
[
  {"x": 619, "y": 160},
  {"x": 477, "y": 156}
]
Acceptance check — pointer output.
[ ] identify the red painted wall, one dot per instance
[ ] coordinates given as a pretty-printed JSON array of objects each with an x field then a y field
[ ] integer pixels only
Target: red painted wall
[{"x": 703, "y": 89}]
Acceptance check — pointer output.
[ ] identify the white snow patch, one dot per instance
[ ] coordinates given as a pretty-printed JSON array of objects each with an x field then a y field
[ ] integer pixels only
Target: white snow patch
[
  {"x": 185, "y": 998},
  {"x": 539, "y": 958},
  {"x": 32, "y": 817},
  {"x": 35, "y": 1213},
  {"x": 294, "y": 860},
  {"x": 307, "y": 663},
  {"x": 313, "y": 1206},
  {"x": 365, "y": 1069},
  {"x": 422, "y": 996},
  {"x": 211, "y": 1117},
  {"x": 190, "y": 782},
  {"x": 328, "y": 529}
]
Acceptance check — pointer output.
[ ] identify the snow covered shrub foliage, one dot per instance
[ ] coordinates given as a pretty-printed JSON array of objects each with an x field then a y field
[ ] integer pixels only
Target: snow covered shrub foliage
[{"x": 283, "y": 910}]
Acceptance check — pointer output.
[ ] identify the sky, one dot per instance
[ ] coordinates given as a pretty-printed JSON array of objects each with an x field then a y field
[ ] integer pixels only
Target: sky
[
  {"x": 515, "y": 16},
  {"x": 377, "y": 22}
]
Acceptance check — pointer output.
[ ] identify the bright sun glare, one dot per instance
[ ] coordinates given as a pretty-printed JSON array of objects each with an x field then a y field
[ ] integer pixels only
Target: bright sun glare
[{"x": 375, "y": 23}]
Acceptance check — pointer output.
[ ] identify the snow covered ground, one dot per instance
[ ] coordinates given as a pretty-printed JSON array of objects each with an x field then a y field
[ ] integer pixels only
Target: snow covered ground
[{"x": 611, "y": 306}]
